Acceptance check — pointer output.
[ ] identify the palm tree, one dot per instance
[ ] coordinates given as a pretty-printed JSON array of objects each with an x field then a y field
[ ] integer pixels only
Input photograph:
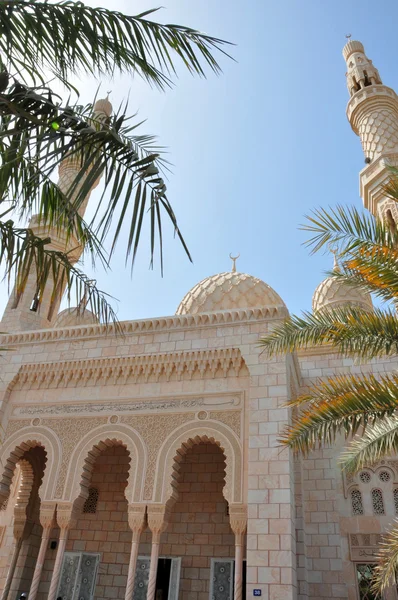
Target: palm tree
[
  {"x": 39, "y": 128},
  {"x": 351, "y": 404}
]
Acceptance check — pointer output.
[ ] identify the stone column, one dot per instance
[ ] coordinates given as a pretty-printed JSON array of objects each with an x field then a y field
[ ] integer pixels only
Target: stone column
[
  {"x": 22, "y": 529},
  {"x": 238, "y": 522},
  {"x": 66, "y": 520},
  {"x": 47, "y": 520},
  {"x": 157, "y": 522},
  {"x": 137, "y": 522}
]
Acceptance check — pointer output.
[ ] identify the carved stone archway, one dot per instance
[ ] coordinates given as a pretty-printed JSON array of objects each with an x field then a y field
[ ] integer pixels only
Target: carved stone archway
[
  {"x": 13, "y": 450},
  {"x": 176, "y": 446},
  {"x": 82, "y": 461}
]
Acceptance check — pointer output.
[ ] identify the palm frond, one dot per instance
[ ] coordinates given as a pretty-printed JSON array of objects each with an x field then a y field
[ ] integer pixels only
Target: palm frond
[
  {"x": 23, "y": 255},
  {"x": 69, "y": 37},
  {"x": 386, "y": 568},
  {"x": 130, "y": 164},
  {"x": 379, "y": 440},
  {"x": 350, "y": 330},
  {"x": 344, "y": 404}
]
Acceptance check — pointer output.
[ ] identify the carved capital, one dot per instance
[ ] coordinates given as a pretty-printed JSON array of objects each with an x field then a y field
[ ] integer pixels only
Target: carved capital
[
  {"x": 47, "y": 514},
  {"x": 158, "y": 518},
  {"x": 137, "y": 517},
  {"x": 238, "y": 518},
  {"x": 66, "y": 516}
]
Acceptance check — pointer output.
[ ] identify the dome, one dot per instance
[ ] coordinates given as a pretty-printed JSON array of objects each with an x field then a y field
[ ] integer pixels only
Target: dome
[
  {"x": 70, "y": 318},
  {"x": 227, "y": 291},
  {"x": 332, "y": 293}
]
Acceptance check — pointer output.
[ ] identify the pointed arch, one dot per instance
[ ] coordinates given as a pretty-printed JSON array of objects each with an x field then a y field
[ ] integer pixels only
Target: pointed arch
[
  {"x": 83, "y": 458},
  {"x": 177, "y": 445},
  {"x": 16, "y": 445}
]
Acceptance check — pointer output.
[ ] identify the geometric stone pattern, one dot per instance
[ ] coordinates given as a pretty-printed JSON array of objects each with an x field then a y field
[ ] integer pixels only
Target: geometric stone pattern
[{"x": 229, "y": 290}]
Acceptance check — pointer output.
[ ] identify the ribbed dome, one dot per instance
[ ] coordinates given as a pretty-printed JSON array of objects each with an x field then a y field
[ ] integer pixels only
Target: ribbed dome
[
  {"x": 332, "y": 293},
  {"x": 70, "y": 318},
  {"x": 227, "y": 291}
]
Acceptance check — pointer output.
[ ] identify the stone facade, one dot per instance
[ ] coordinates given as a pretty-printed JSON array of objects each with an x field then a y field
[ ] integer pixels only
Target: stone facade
[{"x": 146, "y": 464}]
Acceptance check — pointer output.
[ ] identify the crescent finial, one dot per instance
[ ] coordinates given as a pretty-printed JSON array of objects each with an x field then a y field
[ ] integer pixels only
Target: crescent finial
[{"x": 234, "y": 259}]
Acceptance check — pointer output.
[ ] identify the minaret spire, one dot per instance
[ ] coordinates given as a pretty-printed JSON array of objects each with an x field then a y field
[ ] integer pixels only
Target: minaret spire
[
  {"x": 28, "y": 311},
  {"x": 373, "y": 114}
]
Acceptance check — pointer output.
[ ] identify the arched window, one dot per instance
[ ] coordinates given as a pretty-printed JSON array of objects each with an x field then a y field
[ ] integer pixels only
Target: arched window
[
  {"x": 395, "y": 492},
  {"x": 378, "y": 502},
  {"x": 90, "y": 505},
  {"x": 356, "y": 502}
]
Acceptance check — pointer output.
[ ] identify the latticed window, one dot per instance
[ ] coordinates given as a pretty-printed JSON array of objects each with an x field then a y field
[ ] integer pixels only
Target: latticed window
[
  {"x": 90, "y": 505},
  {"x": 377, "y": 502},
  {"x": 365, "y": 476},
  {"x": 356, "y": 502},
  {"x": 396, "y": 500},
  {"x": 364, "y": 578},
  {"x": 4, "y": 504},
  {"x": 384, "y": 476}
]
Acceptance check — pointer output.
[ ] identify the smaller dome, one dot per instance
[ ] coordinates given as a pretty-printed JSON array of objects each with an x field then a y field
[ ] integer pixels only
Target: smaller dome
[
  {"x": 227, "y": 291},
  {"x": 70, "y": 318},
  {"x": 351, "y": 47},
  {"x": 332, "y": 293}
]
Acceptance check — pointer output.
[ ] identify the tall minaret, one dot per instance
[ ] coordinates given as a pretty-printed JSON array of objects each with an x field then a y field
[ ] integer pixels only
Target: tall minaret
[
  {"x": 373, "y": 114},
  {"x": 28, "y": 311}
]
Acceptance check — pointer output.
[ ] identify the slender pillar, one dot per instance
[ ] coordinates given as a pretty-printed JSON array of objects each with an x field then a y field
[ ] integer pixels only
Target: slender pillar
[
  {"x": 47, "y": 520},
  {"x": 137, "y": 522},
  {"x": 11, "y": 570},
  {"x": 238, "y": 521},
  {"x": 65, "y": 520},
  {"x": 157, "y": 522}
]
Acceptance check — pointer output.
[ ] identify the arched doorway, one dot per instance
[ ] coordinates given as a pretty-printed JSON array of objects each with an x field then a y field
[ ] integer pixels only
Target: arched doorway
[
  {"x": 20, "y": 528},
  {"x": 101, "y": 535}
]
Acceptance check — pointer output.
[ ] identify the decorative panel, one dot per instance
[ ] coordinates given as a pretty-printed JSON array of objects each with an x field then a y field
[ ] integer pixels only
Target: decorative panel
[
  {"x": 221, "y": 579},
  {"x": 356, "y": 502},
  {"x": 78, "y": 575},
  {"x": 69, "y": 575},
  {"x": 378, "y": 502},
  {"x": 141, "y": 578}
]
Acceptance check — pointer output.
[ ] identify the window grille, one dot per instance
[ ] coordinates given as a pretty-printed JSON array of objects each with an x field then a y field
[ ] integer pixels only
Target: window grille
[
  {"x": 377, "y": 502},
  {"x": 365, "y": 477},
  {"x": 356, "y": 502},
  {"x": 384, "y": 476},
  {"x": 364, "y": 579},
  {"x": 90, "y": 505},
  {"x": 396, "y": 500}
]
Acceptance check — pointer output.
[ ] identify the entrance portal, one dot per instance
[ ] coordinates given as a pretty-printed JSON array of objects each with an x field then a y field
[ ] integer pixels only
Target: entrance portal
[{"x": 167, "y": 580}]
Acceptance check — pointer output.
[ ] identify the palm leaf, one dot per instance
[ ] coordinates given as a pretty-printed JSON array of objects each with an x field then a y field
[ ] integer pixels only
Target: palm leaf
[
  {"x": 70, "y": 37},
  {"x": 379, "y": 440},
  {"x": 386, "y": 568},
  {"x": 350, "y": 330},
  {"x": 341, "y": 404}
]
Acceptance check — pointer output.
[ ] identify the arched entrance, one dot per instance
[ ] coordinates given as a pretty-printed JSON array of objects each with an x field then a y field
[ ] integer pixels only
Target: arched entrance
[
  {"x": 197, "y": 548},
  {"x": 100, "y": 531},
  {"x": 20, "y": 517}
]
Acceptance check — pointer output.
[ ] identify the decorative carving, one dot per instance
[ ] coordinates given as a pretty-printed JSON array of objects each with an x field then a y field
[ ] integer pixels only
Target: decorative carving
[
  {"x": 130, "y": 369},
  {"x": 137, "y": 518},
  {"x": 47, "y": 514},
  {"x": 66, "y": 515},
  {"x": 125, "y": 406},
  {"x": 147, "y": 325},
  {"x": 364, "y": 546},
  {"x": 202, "y": 415},
  {"x": 114, "y": 419},
  {"x": 356, "y": 502},
  {"x": 155, "y": 429},
  {"x": 36, "y": 422},
  {"x": 158, "y": 518},
  {"x": 231, "y": 418},
  {"x": 70, "y": 431},
  {"x": 238, "y": 518}
]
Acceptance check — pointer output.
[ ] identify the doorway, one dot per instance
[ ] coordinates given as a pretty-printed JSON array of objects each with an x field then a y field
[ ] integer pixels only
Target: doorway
[{"x": 167, "y": 579}]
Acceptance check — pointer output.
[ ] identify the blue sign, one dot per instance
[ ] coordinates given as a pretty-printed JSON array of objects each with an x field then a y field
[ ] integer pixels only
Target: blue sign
[{"x": 256, "y": 592}]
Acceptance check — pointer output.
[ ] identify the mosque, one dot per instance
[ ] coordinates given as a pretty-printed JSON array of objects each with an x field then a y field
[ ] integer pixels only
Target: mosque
[{"x": 146, "y": 466}]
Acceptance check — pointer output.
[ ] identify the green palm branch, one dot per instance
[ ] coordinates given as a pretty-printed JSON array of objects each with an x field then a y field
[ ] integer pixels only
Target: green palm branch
[
  {"x": 363, "y": 408},
  {"x": 38, "y": 130}
]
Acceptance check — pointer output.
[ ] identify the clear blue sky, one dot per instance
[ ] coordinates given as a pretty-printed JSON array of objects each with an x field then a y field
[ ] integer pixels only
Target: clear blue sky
[{"x": 255, "y": 149}]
